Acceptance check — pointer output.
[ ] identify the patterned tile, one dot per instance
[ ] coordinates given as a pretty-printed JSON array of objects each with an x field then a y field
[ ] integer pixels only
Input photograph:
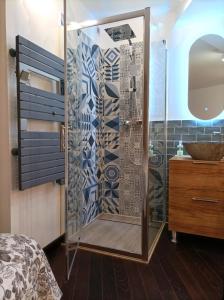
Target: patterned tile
[
  {"x": 85, "y": 114},
  {"x": 111, "y": 73},
  {"x": 110, "y": 205},
  {"x": 111, "y": 56},
  {"x": 111, "y": 140},
  {"x": 111, "y": 155},
  {"x": 110, "y": 90},
  {"x": 111, "y": 173},
  {"x": 111, "y": 124},
  {"x": 131, "y": 145},
  {"x": 111, "y": 106}
]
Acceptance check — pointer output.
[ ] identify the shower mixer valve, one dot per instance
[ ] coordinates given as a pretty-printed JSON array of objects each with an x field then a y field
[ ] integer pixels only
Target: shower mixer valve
[{"x": 131, "y": 123}]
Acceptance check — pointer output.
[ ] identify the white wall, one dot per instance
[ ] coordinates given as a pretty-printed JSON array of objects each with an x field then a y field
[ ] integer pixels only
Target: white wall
[
  {"x": 35, "y": 211},
  {"x": 202, "y": 19},
  {"x": 76, "y": 11},
  {"x": 5, "y": 185}
]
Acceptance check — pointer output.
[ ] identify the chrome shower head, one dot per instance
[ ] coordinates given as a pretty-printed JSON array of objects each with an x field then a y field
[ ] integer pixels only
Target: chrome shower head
[{"x": 122, "y": 32}]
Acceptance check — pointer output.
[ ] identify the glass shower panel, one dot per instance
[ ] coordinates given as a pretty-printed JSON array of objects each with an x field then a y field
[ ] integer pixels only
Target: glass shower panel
[
  {"x": 105, "y": 135},
  {"x": 74, "y": 207},
  {"x": 157, "y": 138}
]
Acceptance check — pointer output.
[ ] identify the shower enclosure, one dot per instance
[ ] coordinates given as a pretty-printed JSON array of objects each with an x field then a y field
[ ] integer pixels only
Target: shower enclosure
[{"x": 116, "y": 141}]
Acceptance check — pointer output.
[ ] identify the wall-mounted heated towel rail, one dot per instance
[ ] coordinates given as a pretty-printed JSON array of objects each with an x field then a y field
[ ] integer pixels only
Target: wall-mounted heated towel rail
[{"x": 40, "y": 154}]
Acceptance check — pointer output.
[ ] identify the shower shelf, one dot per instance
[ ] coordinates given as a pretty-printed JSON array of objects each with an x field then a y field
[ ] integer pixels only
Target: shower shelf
[{"x": 40, "y": 154}]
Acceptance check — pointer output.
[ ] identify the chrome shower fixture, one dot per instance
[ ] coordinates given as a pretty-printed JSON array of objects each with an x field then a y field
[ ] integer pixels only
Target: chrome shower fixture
[
  {"x": 122, "y": 32},
  {"x": 132, "y": 122}
]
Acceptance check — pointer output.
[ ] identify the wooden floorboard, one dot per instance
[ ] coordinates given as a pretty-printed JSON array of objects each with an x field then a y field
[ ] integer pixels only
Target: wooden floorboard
[
  {"x": 108, "y": 279},
  {"x": 192, "y": 270}
]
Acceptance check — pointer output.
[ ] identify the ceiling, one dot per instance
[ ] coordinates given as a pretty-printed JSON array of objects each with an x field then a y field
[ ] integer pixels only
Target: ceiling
[
  {"x": 101, "y": 8},
  {"x": 164, "y": 13},
  {"x": 203, "y": 9}
]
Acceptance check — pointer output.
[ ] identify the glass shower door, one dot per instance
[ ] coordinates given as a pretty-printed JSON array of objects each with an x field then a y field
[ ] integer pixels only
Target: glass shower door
[
  {"x": 107, "y": 125},
  {"x": 157, "y": 139},
  {"x": 105, "y": 135}
]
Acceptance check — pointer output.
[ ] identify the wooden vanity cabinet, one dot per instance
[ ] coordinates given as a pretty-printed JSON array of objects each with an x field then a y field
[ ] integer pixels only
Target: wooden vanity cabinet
[{"x": 196, "y": 197}]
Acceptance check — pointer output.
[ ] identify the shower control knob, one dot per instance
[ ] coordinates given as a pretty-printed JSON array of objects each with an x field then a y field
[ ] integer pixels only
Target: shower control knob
[{"x": 127, "y": 122}]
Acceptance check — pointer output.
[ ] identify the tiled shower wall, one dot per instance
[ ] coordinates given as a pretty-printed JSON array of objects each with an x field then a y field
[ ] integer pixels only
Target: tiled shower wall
[
  {"x": 122, "y": 190},
  {"x": 111, "y": 130},
  {"x": 85, "y": 111},
  {"x": 104, "y": 156},
  {"x": 131, "y": 137}
]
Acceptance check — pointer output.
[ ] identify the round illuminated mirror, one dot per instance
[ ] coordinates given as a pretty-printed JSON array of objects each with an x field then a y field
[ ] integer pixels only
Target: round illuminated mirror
[{"x": 206, "y": 77}]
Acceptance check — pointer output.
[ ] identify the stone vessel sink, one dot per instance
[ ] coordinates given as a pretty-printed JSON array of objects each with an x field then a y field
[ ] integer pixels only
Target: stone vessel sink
[{"x": 205, "y": 151}]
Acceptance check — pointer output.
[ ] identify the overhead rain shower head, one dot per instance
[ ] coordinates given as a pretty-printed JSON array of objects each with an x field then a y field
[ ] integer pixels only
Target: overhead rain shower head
[{"x": 122, "y": 32}]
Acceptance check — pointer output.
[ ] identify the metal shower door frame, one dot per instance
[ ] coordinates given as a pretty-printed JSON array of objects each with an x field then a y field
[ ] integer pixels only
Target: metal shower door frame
[{"x": 145, "y": 13}]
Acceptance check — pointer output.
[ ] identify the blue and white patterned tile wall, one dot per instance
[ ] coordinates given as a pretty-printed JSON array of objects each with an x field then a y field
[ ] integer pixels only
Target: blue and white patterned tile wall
[
  {"x": 111, "y": 109},
  {"x": 105, "y": 156},
  {"x": 85, "y": 111}
]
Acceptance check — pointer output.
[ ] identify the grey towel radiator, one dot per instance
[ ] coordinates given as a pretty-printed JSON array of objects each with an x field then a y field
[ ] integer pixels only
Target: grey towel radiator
[{"x": 40, "y": 154}]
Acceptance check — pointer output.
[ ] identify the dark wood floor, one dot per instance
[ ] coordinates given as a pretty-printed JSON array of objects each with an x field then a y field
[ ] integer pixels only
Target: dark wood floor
[{"x": 192, "y": 269}]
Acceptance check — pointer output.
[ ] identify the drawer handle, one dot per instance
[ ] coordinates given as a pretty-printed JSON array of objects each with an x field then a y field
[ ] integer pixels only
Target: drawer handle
[
  {"x": 205, "y": 200},
  {"x": 201, "y": 162}
]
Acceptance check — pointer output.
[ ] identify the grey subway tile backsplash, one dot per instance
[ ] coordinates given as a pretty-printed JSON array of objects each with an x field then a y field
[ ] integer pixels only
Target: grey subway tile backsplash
[
  {"x": 157, "y": 124},
  {"x": 173, "y": 137},
  {"x": 189, "y": 138},
  {"x": 160, "y": 137},
  {"x": 171, "y": 151},
  {"x": 170, "y": 144},
  {"x": 217, "y": 138},
  {"x": 189, "y": 131},
  {"x": 204, "y": 137},
  {"x": 211, "y": 130},
  {"x": 196, "y": 130},
  {"x": 181, "y": 130},
  {"x": 171, "y": 130},
  {"x": 175, "y": 123},
  {"x": 160, "y": 130},
  {"x": 189, "y": 123}
]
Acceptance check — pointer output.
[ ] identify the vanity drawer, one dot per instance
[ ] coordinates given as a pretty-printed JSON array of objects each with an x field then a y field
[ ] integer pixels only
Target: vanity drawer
[
  {"x": 190, "y": 174},
  {"x": 197, "y": 212}
]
